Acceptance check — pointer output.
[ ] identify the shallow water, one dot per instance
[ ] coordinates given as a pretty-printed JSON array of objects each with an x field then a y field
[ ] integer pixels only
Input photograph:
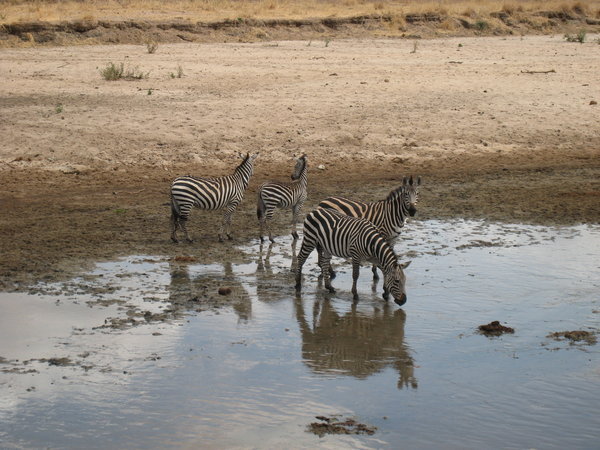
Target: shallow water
[{"x": 154, "y": 357}]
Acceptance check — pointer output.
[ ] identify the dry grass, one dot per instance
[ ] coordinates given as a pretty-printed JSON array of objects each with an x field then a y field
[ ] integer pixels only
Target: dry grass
[{"x": 12, "y": 11}]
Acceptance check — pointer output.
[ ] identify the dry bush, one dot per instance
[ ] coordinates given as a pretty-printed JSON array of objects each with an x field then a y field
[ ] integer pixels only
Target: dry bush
[
  {"x": 469, "y": 12},
  {"x": 511, "y": 8}
]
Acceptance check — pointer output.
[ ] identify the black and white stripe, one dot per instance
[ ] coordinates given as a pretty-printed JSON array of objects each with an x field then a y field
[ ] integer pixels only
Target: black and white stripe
[
  {"x": 388, "y": 215},
  {"x": 335, "y": 234},
  {"x": 273, "y": 195},
  {"x": 209, "y": 193}
]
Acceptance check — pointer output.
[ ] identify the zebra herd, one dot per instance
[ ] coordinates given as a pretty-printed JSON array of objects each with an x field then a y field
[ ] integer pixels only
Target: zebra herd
[{"x": 337, "y": 227}]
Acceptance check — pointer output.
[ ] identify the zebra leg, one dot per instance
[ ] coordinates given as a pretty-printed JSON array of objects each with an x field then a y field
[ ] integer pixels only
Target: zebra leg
[
  {"x": 268, "y": 217},
  {"x": 305, "y": 250},
  {"x": 325, "y": 263},
  {"x": 261, "y": 224},
  {"x": 174, "y": 226},
  {"x": 295, "y": 217},
  {"x": 226, "y": 225},
  {"x": 182, "y": 225},
  {"x": 355, "y": 272},
  {"x": 375, "y": 274}
]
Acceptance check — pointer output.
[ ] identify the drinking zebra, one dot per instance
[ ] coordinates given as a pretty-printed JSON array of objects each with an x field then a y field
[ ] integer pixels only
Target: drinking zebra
[
  {"x": 335, "y": 234},
  {"x": 272, "y": 195},
  {"x": 209, "y": 193},
  {"x": 388, "y": 215}
]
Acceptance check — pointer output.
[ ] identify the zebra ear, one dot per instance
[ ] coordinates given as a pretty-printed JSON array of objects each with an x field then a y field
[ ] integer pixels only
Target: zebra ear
[
  {"x": 418, "y": 181},
  {"x": 405, "y": 265},
  {"x": 411, "y": 182},
  {"x": 404, "y": 181},
  {"x": 241, "y": 155}
]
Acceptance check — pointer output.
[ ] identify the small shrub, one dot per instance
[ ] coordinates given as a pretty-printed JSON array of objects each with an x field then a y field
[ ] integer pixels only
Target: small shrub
[
  {"x": 113, "y": 72},
  {"x": 179, "y": 73},
  {"x": 481, "y": 25},
  {"x": 151, "y": 46},
  {"x": 579, "y": 37},
  {"x": 59, "y": 108}
]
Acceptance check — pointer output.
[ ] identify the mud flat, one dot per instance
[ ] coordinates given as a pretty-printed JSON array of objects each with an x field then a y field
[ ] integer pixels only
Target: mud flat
[{"x": 500, "y": 128}]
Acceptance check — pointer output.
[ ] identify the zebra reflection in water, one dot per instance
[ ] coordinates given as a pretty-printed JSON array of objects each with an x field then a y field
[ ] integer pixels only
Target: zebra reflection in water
[
  {"x": 355, "y": 343},
  {"x": 271, "y": 276},
  {"x": 197, "y": 289}
]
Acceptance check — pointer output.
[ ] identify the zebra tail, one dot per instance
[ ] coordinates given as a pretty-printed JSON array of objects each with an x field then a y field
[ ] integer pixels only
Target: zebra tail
[
  {"x": 260, "y": 207},
  {"x": 175, "y": 213}
]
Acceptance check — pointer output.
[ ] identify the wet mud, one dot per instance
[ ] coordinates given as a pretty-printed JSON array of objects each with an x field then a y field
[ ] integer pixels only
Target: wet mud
[
  {"x": 494, "y": 328},
  {"x": 337, "y": 425}
]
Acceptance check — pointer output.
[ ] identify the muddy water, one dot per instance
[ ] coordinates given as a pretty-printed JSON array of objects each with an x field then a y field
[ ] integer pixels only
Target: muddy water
[{"x": 144, "y": 352}]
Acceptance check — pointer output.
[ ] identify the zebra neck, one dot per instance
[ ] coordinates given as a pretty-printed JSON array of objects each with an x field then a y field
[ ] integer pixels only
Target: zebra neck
[
  {"x": 303, "y": 178},
  {"x": 395, "y": 205},
  {"x": 243, "y": 172},
  {"x": 384, "y": 254}
]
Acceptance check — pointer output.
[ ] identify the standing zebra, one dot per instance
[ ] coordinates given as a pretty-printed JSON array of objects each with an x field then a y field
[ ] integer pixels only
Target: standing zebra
[
  {"x": 209, "y": 193},
  {"x": 334, "y": 234},
  {"x": 388, "y": 215},
  {"x": 272, "y": 195}
]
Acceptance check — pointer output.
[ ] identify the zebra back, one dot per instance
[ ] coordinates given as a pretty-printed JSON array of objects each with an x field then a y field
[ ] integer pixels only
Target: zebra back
[
  {"x": 212, "y": 192},
  {"x": 343, "y": 235},
  {"x": 388, "y": 215},
  {"x": 275, "y": 194}
]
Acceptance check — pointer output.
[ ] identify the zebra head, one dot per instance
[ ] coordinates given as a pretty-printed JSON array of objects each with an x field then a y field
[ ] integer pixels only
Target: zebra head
[
  {"x": 394, "y": 282},
  {"x": 410, "y": 194},
  {"x": 300, "y": 165},
  {"x": 248, "y": 161}
]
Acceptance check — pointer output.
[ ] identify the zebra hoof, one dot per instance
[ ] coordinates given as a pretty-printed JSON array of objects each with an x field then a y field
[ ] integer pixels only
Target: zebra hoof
[
  {"x": 175, "y": 240},
  {"x": 331, "y": 290},
  {"x": 295, "y": 235},
  {"x": 332, "y": 275}
]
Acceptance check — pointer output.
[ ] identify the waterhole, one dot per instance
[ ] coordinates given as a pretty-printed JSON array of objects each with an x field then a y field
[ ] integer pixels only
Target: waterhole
[{"x": 160, "y": 351}]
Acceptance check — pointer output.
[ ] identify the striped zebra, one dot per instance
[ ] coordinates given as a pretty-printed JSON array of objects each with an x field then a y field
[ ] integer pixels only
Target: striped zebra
[
  {"x": 335, "y": 234},
  {"x": 209, "y": 193},
  {"x": 388, "y": 215},
  {"x": 272, "y": 195}
]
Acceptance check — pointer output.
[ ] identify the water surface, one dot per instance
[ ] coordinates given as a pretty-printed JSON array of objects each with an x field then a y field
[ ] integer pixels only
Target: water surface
[{"x": 152, "y": 356}]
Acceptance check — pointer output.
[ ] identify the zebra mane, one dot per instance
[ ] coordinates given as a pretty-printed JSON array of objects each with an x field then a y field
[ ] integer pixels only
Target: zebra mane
[
  {"x": 303, "y": 159},
  {"x": 395, "y": 193}
]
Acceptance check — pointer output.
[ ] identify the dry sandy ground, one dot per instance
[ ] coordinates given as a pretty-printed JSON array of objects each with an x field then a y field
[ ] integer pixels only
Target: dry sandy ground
[{"x": 85, "y": 164}]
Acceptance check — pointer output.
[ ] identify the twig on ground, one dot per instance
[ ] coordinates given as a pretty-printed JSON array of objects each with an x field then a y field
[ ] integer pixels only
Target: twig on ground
[{"x": 538, "y": 71}]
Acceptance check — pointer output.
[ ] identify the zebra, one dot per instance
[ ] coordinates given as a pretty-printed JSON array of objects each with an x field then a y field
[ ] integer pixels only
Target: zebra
[
  {"x": 335, "y": 234},
  {"x": 388, "y": 215},
  {"x": 272, "y": 195},
  {"x": 209, "y": 193}
]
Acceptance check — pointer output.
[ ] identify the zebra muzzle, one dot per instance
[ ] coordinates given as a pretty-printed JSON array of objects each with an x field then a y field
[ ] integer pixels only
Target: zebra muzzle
[{"x": 400, "y": 301}]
